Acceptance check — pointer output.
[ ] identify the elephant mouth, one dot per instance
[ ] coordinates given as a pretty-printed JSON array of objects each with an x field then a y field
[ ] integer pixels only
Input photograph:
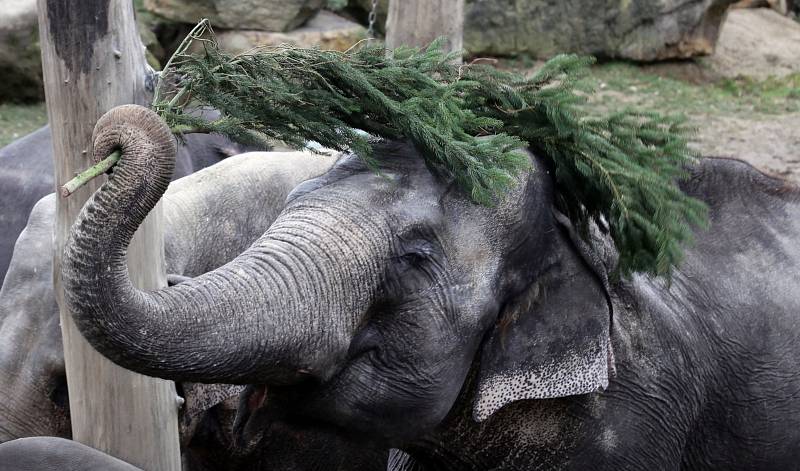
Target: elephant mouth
[
  {"x": 266, "y": 420},
  {"x": 250, "y": 422},
  {"x": 257, "y": 398}
]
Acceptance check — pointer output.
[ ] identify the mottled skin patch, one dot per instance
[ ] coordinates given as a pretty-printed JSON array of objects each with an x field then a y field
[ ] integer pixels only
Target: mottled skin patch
[{"x": 552, "y": 380}]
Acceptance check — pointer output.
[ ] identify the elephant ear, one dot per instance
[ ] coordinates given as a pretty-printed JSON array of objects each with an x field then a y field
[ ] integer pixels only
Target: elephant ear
[{"x": 553, "y": 339}]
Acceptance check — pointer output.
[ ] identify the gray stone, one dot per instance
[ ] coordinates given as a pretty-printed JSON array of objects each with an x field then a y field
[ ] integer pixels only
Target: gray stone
[
  {"x": 781, "y": 6},
  {"x": 756, "y": 43},
  {"x": 263, "y": 15},
  {"x": 641, "y": 30},
  {"x": 326, "y": 31},
  {"x": 20, "y": 58}
]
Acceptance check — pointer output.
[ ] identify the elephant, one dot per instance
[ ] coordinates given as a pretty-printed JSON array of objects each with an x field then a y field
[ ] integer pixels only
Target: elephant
[
  {"x": 56, "y": 454},
  {"x": 389, "y": 309},
  {"x": 210, "y": 217},
  {"x": 26, "y": 175}
]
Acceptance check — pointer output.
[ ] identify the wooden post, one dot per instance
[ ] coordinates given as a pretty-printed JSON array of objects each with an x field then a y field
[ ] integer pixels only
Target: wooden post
[
  {"x": 94, "y": 60},
  {"x": 418, "y": 22}
]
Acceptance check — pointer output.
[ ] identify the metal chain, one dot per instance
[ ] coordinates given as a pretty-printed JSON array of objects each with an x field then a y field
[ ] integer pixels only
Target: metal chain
[{"x": 372, "y": 15}]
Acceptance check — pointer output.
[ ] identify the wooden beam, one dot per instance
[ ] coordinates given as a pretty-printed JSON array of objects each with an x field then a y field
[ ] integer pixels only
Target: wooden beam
[
  {"x": 418, "y": 22},
  {"x": 94, "y": 60}
]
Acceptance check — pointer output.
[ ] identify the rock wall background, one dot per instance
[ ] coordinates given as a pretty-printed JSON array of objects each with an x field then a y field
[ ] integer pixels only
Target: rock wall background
[
  {"x": 639, "y": 30},
  {"x": 733, "y": 67},
  {"x": 20, "y": 57},
  {"x": 267, "y": 15},
  {"x": 628, "y": 29}
]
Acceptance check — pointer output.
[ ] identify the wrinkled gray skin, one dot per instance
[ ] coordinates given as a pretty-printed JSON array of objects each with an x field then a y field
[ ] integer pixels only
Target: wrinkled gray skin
[
  {"x": 392, "y": 311},
  {"x": 210, "y": 217},
  {"x": 56, "y": 454},
  {"x": 26, "y": 175}
]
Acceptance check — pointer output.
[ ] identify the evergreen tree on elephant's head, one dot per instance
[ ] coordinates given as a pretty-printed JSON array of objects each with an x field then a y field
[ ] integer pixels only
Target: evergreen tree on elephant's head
[{"x": 391, "y": 310}]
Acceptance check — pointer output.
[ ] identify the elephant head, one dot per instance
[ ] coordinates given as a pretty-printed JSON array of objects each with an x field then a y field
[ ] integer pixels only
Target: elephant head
[{"x": 363, "y": 308}]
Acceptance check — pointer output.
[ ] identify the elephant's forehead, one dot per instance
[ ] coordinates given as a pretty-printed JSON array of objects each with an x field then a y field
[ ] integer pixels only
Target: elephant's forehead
[
  {"x": 478, "y": 255},
  {"x": 471, "y": 245}
]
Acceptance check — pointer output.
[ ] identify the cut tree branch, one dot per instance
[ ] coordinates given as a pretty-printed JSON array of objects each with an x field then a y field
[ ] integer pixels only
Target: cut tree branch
[
  {"x": 89, "y": 174},
  {"x": 104, "y": 165}
]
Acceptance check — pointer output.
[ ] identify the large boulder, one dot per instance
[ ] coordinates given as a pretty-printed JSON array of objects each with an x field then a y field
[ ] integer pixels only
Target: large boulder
[
  {"x": 326, "y": 31},
  {"x": 641, "y": 30},
  {"x": 756, "y": 43},
  {"x": 784, "y": 7},
  {"x": 20, "y": 58},
  {"x": 263, "y": 15}
]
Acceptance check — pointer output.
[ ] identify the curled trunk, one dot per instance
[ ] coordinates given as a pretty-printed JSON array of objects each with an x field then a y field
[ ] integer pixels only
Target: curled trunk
[{"x": 283, "y": 309}]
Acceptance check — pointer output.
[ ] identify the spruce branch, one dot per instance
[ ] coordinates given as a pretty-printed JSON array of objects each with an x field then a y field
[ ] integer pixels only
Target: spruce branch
[{"x": 468, "y": 121}]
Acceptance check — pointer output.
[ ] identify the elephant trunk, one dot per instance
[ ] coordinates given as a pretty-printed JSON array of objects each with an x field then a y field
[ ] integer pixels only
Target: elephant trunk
[{"x": 285, "y": 308}]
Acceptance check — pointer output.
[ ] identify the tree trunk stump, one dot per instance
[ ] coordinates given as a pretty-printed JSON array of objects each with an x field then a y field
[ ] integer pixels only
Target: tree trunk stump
[
  {"x": 94, "y": 60},
  {"x": 418, "y": 22}
]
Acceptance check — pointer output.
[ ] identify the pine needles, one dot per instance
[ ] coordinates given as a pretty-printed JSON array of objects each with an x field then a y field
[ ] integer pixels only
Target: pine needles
[
  {"x": 620, "y": 170},
  {"x": 294, "y": 95},
  {"x": 468, "y": 121}
]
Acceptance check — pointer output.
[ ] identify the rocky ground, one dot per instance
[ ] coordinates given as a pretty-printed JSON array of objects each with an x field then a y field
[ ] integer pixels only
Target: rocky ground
[
  {"x": 759, "y": 44},
  {"x": 744, "y": 99}
]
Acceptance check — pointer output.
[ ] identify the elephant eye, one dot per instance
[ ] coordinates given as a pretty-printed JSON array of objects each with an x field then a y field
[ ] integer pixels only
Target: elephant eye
[
  {"x": 412, "y": 258},
  {"x": 415, "y": 253},
  {"x": 415, "y": 267},
  {"x": 416, "y": 248}
]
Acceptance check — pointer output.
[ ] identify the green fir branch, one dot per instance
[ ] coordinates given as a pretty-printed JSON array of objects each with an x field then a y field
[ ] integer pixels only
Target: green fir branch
[{"x": 468, "y": 121}]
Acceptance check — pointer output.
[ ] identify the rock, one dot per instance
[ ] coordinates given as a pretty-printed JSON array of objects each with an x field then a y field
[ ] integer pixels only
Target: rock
[
  {"x": 641, "y": 30},
  {"x": 781, "y": 6},
  {"x": 756, "y": 43},
  {"x": 326, "y": 30},
  {"x": 20, "y": 57},
  {"x": 262, "y": 15},
  {"x": 147, "y": 24}
]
